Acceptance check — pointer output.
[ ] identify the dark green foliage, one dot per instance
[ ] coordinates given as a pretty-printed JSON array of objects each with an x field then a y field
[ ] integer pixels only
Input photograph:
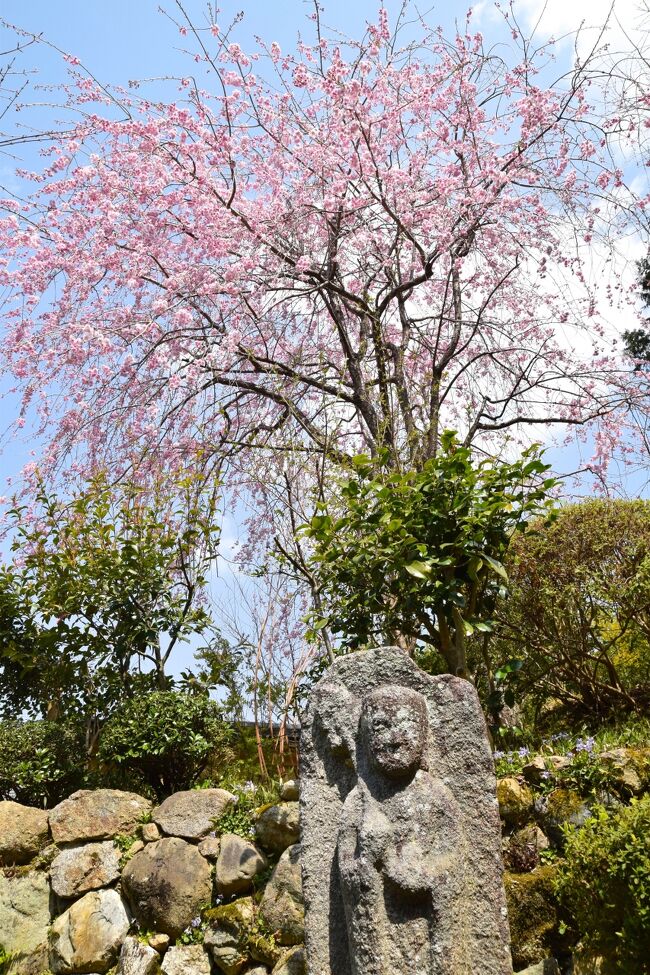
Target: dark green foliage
[
  {"x": 418, "y": 556},
  {"x": 605, "y": 884},
  {"x": 578, "y": 612},
  {"x": 41, "y": 762},
  {"x": 164, "y": 739}
]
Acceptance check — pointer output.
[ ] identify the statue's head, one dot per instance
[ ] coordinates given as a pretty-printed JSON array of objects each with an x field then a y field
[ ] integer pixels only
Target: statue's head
[{"x": 394, "y": 724}]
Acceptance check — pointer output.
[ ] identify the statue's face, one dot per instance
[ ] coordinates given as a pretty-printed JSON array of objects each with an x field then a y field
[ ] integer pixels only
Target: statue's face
[{"x": 395, "y": 725}]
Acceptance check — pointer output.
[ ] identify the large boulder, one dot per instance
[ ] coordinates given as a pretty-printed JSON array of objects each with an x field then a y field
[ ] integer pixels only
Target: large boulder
[
  {"x": 87, "y": 937},
  {"x": 238, "y": 864},
  {"x": 78, "y": 869},
  {"x": 23, "y": 832},
  {"x": 137, "y": 958},
  {"x": 166, "y": 884},
  {"x": 24, "y": 921},
  {"x": 186, "y": 960},
  {"x": 294, "y": 962},
  {"x": 99, "y": 814},
  {"x": 629, "y": 768},
  {"x": 191, "y": 814},
  {"x": 278, "y": 827},
  {"x": 282, "y": 909}
]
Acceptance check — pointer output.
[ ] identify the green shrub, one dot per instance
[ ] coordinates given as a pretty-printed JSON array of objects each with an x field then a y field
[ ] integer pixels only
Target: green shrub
[
  {"x": 605, "y": 884},
  {"x": 41, "y": 762},
  {"x": 163, "y": 739}
]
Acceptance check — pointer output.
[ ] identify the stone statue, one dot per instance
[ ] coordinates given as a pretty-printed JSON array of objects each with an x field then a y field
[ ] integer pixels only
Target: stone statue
[{"x": 401, "y": 843}]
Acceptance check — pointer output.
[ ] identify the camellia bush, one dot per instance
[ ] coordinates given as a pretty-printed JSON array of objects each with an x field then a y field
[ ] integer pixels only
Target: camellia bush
[
  {"x": 418, "y": 557},
  {"x": 41, "y": 762},
  {"x": 163, "y": 740}
]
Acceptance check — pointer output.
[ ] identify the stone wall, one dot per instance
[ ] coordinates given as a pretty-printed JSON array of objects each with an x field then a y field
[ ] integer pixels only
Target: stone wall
[{"x": 104, "y": 882}]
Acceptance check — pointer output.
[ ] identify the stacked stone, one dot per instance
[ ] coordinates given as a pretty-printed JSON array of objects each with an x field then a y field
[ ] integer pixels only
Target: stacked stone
[
  {"x": 533, "y": 822},
  {"x": 106, "y": 882}
]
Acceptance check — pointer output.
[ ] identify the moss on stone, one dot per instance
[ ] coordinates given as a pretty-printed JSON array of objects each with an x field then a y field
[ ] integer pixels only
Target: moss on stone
[
  {"x": 236, "y": 917},
  {"x": 562, "y": 804},
  {"x": 534, "y": 915}
]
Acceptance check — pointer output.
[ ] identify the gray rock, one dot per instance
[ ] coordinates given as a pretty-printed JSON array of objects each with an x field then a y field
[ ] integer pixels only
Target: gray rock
[
  {"x": 78, "y": 869},
  {"x": 137, "y": 958},
  {"x": 238, "y": 864},
  {"x": 96, "y": 815},
  {"x": 186, "y": 960},
  {"x": 258, "y": 970},
  {"x": 166, "y": 885},
  {"x": 293, "y": 963},
  {"x": 289, "y": 791},
  {"x": 209, "y": 847},
  {"x": 278, "y": 827},
  {"x": 87, "y": 937},
  {"x": 282, "y": 909},
  {"x": 150, "y": 833},
  {"x": 23, "y": 832},
  {"x": 24, "y": 920},
  {"x": 191, "y": 814},
  {"x": 401, "y": 838}
]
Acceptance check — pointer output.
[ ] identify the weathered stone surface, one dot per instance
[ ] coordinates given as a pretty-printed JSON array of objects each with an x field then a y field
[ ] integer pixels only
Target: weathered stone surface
[
  {"x": 166, "y": 884},
  {"x": 96, "y": 815},
  {"x": 23, "y": 832},
  {"x": 150, "y": 833},
  {"x": 209, "y": 847},
  {"x": 238, "y": 864},
  {"x": 24, "y": 920},
  {"x": 137, "y": 958},
  {"x": 515, "y": 800},
  {"x": 278, "y": 827},
  {"x": 621, "y": 764},
  {"x": 289, "y": 791},
  {"x": 186, "y": 960},
  {"x": 191, "y": 814},
  {"x": 559, "y": 807},
  {"x": 227, "y": 935},
  {"x": 533, "y": 912},
  {"x": 400, "y": 830},
  {"x": 87, "y": 937},
  {"x": 547, "y": 967},
  {"x": 282, "y": 908},
  {"x": 78, "y": 869},
  {"x": 258, "y": 970},
  {"x": 293, "y": 963},
  {"x": 535, "y": 770},
  {"x": 160, "y": 942},
  {"x": 523, "y": 848}
]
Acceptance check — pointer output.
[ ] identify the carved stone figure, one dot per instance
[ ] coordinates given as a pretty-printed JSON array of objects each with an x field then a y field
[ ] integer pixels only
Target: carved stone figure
[{"x": 400, "y": 829}]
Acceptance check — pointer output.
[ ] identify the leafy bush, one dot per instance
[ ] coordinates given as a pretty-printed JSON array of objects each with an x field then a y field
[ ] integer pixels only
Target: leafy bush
[
  {"x": 605, "y": 884},
  {"x": 578, "y": 613},
  {"x": 418, "y": 557},
  {"x": 41, "y": 762},
  {"x": 163, "y": 739}
]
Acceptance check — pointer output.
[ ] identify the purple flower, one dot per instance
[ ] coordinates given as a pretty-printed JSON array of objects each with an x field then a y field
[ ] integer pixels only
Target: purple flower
[
  {"x": 523, "y": 752},
  {"x": 499, "y": 754},
  {"x": 546, "y": 775},
  {"x": 195, "y": 923}
]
